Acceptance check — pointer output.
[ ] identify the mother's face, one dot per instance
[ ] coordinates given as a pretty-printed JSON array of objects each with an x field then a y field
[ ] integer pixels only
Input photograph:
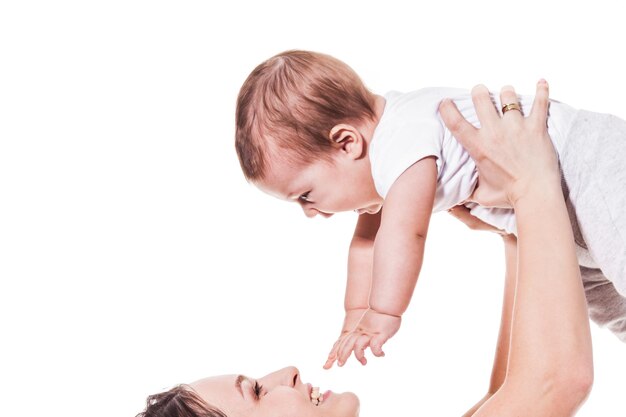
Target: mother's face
[{"x": 282, "y": 394}]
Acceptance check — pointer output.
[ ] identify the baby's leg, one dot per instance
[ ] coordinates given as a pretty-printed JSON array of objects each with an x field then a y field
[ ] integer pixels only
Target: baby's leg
[
  {"x": 606, "y": 306},
  {"x": 593, "y": 162}
]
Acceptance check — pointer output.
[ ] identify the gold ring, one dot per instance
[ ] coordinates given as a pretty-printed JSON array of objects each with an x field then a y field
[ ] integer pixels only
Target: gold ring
[{"x": 511, "y": 106}]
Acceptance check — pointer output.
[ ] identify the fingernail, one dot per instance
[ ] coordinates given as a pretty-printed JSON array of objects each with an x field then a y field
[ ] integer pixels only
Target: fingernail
[{"x": 542, "y": 81}]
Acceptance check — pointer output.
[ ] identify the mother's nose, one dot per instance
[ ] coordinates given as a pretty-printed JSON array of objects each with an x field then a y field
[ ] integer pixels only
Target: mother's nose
[{"x": 289, "y": 376}]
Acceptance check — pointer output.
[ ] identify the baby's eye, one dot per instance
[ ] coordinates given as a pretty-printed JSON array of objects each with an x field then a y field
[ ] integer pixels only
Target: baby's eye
[{"x": 305, "y": 197}]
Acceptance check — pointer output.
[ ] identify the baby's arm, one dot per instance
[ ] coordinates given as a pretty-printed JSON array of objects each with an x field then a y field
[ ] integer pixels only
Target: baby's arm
[
  {"x": 399, "y": 247},
  {"x": 360, "y": 259},
  {"x": 398, "y": 254}
]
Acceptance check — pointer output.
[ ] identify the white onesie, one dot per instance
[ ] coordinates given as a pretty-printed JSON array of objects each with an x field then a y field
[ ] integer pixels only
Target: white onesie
[
  {"x": 411, "y": 129},
  {"x": 591, "y": 149}
]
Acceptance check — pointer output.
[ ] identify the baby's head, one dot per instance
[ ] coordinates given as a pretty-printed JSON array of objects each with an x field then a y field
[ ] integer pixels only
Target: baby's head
[{"x": 303, "y": 123}]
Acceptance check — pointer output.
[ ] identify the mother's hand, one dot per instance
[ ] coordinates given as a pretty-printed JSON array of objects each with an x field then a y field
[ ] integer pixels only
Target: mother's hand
[
  {"x": 512, "y": 153},
  {"x": 550, "y": 342},
  {"x": 464, "y": 215}
]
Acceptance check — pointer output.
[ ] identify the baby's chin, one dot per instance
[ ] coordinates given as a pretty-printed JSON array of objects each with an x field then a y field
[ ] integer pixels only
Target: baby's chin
[{"x": 369, "y": 210}]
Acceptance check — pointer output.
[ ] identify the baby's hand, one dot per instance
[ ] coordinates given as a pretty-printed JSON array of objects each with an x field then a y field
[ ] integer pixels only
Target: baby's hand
[
  {"x": 353, "y": 316},
  {"x": 373, "y": 330}
]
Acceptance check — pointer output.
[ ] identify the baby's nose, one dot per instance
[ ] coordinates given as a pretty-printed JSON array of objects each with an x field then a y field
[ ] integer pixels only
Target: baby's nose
[{"x": 310, "y": 212}]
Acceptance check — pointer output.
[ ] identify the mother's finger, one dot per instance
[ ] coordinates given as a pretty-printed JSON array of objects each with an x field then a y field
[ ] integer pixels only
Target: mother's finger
[
  {"x": 460, "y": 128},
  {"x": 474, "y": 223},
  {"x": 485, "y": 109},
  {"x": 508, "y": 96},
  {"x": 539, "y": 112}
]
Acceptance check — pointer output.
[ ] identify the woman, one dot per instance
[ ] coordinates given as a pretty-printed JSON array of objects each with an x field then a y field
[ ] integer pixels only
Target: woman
[{"x": 546, "y": 368}]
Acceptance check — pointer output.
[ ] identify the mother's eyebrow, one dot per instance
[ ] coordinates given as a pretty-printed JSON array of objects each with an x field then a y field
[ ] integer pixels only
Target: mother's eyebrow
[{"x": 238, "y": 381}]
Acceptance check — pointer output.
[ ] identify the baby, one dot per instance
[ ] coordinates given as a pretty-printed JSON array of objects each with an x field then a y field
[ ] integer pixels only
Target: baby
[{"x": 310, "y": 132}]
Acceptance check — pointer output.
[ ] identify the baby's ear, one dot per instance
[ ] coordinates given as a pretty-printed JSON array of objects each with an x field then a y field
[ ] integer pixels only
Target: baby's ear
[{"x": 347, "y": 138}]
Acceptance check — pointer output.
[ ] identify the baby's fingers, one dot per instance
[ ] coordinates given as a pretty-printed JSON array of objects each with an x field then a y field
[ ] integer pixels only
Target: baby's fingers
[
  {"x": 359, "y": 349},
  {"x": 376, "y": 345},
  {"x": 332, "y": 356},
  {"x": 330, "y": 361},
  {"x": 346, "y": 349}
]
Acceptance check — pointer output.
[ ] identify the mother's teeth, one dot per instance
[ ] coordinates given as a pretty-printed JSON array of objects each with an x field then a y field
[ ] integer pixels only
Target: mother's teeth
[{"x": 316, "y": 397}]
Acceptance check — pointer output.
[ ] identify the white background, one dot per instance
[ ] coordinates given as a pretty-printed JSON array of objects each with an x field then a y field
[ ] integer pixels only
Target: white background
[{"x": 134, "y": 255}]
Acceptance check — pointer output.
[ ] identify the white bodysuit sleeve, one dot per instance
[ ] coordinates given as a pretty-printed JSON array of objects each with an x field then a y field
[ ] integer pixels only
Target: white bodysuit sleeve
[{"x": 397, "y": 146}]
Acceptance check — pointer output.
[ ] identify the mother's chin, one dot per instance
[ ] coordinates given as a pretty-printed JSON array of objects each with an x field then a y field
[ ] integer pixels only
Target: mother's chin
[{"x": 345, "y": 404}]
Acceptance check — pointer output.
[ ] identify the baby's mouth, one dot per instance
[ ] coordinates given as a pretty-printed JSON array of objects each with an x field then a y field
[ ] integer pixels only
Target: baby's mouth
[{"x": 316, "y": 397}]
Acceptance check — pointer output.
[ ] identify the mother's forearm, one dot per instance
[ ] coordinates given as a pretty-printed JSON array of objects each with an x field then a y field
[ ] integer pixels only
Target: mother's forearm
[
  {"x": 550, "y": 333},
  {"x": 500, "y": 362},
  {"x": 476, "y": 407},
  {"x": 550, "y": 363},
  {"x": 501, "y": 359}
]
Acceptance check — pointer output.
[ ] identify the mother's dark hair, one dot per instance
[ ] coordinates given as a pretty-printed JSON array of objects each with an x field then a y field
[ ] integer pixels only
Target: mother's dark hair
[{"x": 180, "y": 401}]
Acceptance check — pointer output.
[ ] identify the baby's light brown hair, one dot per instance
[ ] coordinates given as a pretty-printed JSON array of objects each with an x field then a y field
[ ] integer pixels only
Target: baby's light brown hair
[{"x": 288, "y": 105}]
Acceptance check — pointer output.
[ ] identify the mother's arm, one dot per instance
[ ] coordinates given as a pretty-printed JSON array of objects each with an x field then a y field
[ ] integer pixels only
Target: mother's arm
[
  {"x": 549, "y": 371},
  {"x": 550, "y": 363},
  {"x": 498, "y": 372}
]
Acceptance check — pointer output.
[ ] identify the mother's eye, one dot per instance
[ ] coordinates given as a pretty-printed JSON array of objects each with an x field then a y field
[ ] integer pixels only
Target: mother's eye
[{"x": 258, "y": 389}]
